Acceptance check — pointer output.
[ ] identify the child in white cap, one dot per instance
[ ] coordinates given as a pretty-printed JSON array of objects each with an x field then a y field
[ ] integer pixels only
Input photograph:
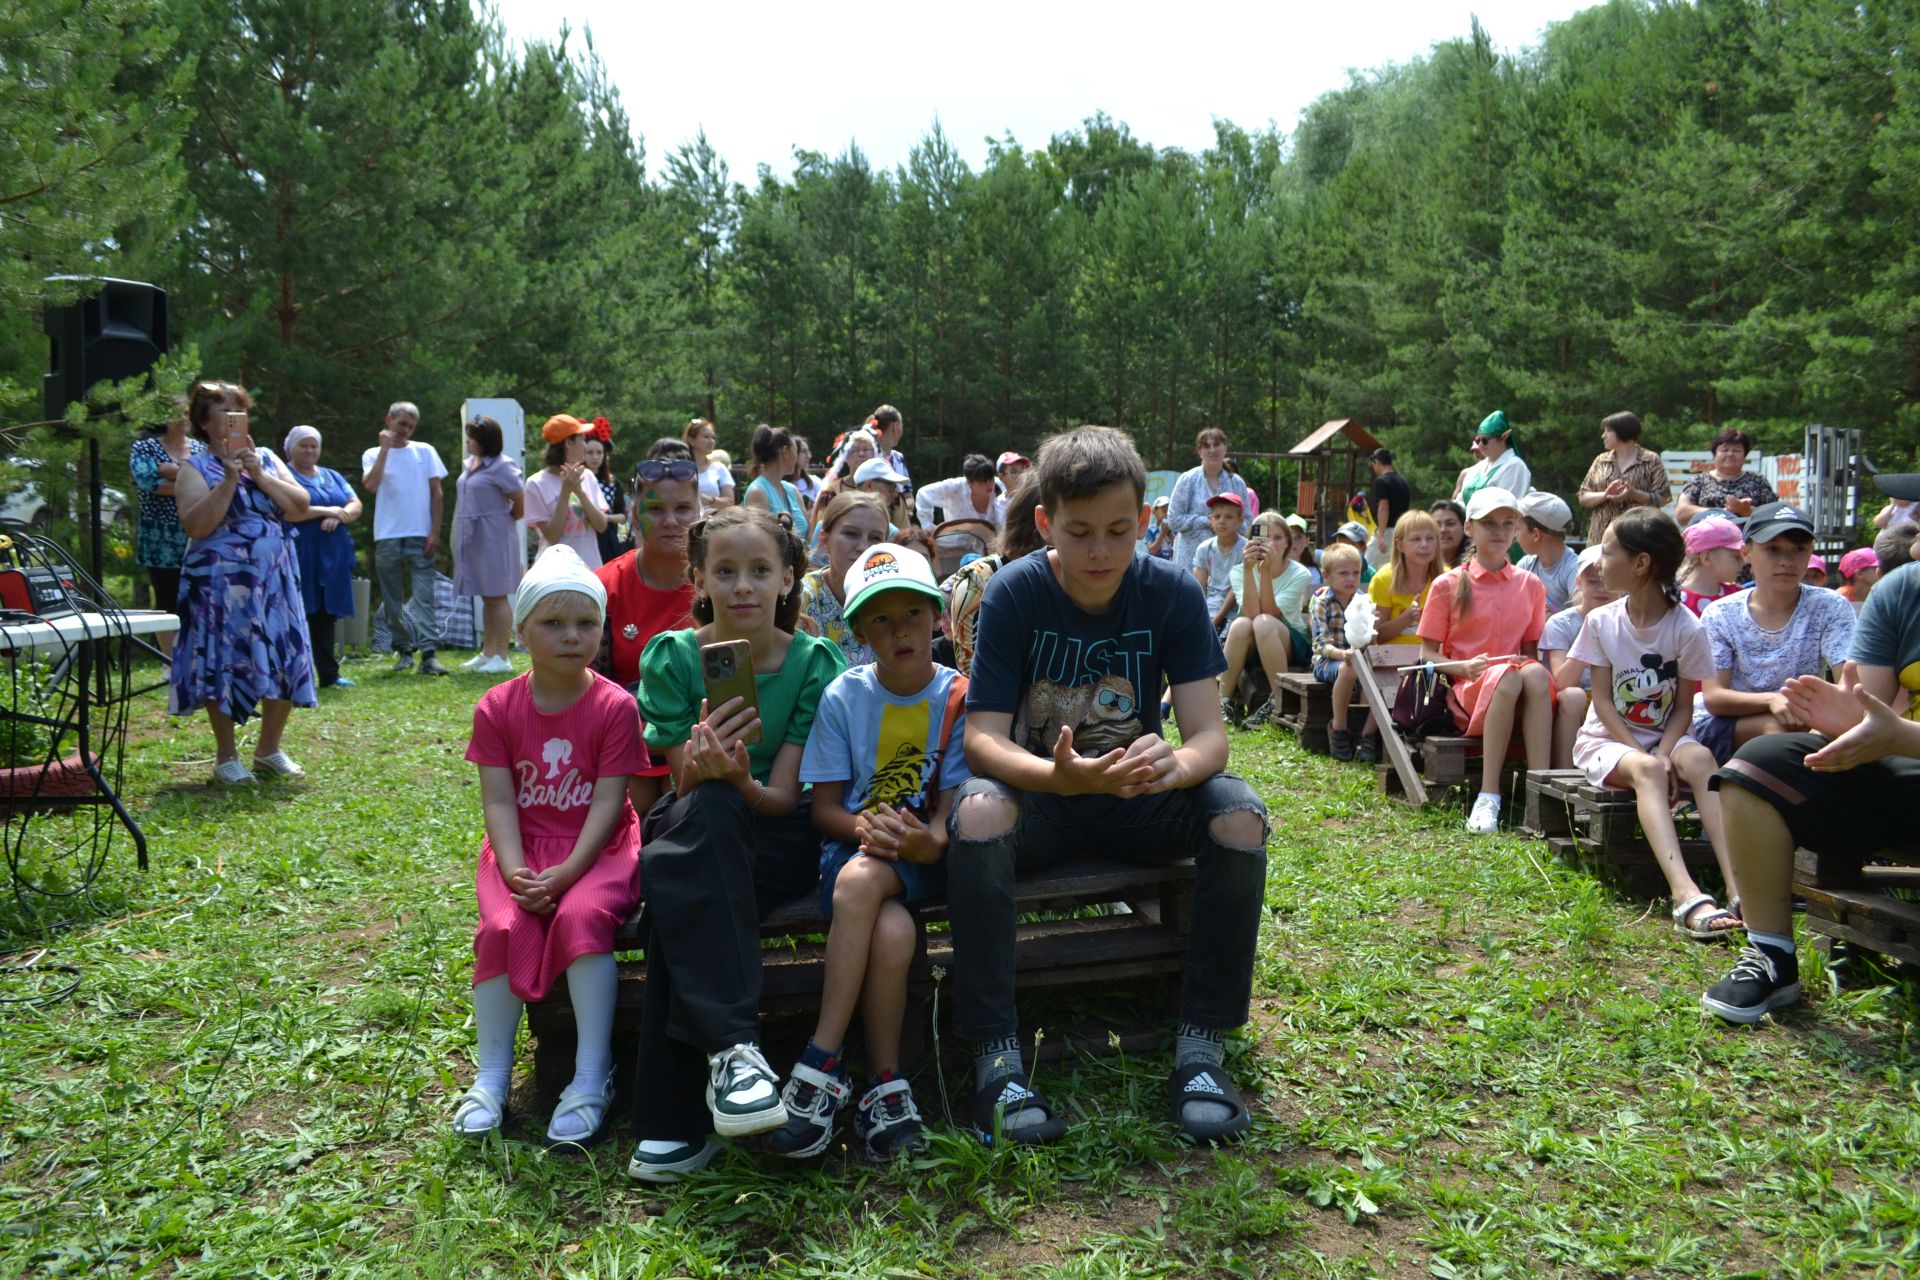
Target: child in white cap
[
  {"x": 560, "y": 865},
  {"x": 1481, "y": 628},
  {"x": 884, "y": 758}
]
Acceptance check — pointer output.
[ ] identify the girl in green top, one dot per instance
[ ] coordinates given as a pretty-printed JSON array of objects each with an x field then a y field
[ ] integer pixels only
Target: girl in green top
[{"x": 731, "y": 842}]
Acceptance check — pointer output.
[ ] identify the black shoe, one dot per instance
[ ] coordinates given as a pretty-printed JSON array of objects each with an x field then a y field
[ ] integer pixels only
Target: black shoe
[
  {"x": 813, "y": 1098},
  {"x": 1340, "y": 744},
  {"x": 1367, "y": 749},
  {"x": 889, "y": 1121},
  {"x": 1229, "y": 711},
  {"x": 430, "y": 665},
  {"x": 1262, "y": 714},
  {"x": 402, "y": 662},
  {"x": 1763, "y": 980}
]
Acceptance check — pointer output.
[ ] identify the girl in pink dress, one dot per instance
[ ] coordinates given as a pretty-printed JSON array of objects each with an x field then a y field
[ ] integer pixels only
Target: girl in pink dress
[
  {"x": 560, "y": 867},
  {"x": 1482, "y": 627}
]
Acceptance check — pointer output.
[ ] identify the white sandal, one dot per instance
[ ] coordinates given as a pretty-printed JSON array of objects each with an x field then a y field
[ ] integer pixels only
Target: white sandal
[
  {"x": 1684, "y": 912},
  {"x": 231, "y": 773},
  {"x": 279, "y": 764},
  {"x": 596, "y": 1107},
  {"x": 483, "y": 1105}
]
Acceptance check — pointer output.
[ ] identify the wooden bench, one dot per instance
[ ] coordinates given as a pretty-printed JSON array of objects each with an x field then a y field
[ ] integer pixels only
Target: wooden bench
[
  {"x": 1444, "y": 762},
  {"x": 1856, "y": 905},
  {"x": 1304, "y": 707},
  {"x": 1598, "y": 828},
  {"x": 1120, "y": 925}
]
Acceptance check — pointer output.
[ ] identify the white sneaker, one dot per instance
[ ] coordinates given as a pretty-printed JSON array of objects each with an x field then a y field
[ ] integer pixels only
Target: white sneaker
[
  {"x": 743, "y": 1093},
  {"x": 495, "y": 666},
  {"x": 474, "y": 663},
  {"x": 1485, "y": 818}
]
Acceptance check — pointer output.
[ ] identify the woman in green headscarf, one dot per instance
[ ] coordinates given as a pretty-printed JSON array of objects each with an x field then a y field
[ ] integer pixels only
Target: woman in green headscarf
[{"x": 1500, "y": 464}]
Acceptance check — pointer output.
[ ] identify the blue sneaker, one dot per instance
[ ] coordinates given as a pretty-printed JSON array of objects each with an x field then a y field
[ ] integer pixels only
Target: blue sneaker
[{"x": 344, "y": 683}]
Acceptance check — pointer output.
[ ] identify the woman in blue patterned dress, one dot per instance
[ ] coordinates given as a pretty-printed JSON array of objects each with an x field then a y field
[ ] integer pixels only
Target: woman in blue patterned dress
[
  {"x": 154, "y": 460},
  {"x": 324, "y": 549},
  {"x": 243, "y": 643}
]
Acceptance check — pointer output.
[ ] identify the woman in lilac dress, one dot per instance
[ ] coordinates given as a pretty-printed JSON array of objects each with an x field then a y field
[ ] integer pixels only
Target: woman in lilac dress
[
  {"x": 489, "y": 502},
  {"x": 243, "y": 637},
  {"x": 324, "y": 548}
]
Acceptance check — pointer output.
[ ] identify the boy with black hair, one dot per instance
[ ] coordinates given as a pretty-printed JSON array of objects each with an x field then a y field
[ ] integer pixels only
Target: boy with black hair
[{"x": 1063, "y": 737}]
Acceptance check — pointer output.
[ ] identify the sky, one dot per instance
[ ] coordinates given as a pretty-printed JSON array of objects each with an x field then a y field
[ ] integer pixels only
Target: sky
[{"x": 764, "y": 78}]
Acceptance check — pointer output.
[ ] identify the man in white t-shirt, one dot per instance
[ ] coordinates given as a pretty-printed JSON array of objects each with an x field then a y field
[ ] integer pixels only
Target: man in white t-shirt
[
  {"x": 973, "y": 495},
  {"x": 404, "y": 476}
]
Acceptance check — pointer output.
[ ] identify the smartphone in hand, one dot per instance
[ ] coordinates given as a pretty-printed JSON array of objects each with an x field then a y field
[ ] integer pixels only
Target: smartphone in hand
[{"x": 727, "y": 668}]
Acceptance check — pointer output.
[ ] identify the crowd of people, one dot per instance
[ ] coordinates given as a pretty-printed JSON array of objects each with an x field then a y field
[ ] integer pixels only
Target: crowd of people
[{"x": 1009, "y": 712}]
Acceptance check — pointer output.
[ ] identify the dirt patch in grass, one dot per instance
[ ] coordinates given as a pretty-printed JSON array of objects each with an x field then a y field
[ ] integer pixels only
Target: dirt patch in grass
[{"x": 1386, "y": 1242}]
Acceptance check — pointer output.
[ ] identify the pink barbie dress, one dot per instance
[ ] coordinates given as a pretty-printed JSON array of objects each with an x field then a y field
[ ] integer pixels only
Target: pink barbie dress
[{"x": 555, "y": 761}]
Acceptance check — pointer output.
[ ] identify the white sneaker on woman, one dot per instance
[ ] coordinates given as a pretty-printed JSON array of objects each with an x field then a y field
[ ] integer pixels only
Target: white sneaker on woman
[
  {"x": 496, "y": 666},
  {"x": 474, "y": 663}
]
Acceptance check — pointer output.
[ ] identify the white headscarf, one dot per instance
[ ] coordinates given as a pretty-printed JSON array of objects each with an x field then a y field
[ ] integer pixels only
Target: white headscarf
[
  {"x": 298, "y": 434},
  {"x": 558, "y": 568}
]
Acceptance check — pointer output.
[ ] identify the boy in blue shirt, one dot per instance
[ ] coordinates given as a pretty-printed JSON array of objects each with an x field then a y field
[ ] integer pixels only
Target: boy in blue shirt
[
  {"x": 1063, "y": 735},
  {"x": 884, "y": 757}
]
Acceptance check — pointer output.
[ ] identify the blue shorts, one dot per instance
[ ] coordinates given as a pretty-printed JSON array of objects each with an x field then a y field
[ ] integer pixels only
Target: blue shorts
[
  {"x": 1326, "y": 670},
  {"x": 919, "y": 881},
  {"x": 1715, "y": 733}
]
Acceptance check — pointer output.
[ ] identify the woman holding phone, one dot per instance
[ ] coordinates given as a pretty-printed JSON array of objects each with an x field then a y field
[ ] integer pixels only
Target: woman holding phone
[{"x": 243, "y": 643}]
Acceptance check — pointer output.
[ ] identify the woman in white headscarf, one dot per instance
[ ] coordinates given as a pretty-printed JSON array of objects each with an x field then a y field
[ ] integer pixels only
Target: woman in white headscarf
[{"x": 324, "y": 549}]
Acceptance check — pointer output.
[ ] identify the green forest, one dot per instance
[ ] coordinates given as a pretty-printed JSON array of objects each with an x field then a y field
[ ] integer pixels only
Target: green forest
[{"x": 1702, "y": 212}]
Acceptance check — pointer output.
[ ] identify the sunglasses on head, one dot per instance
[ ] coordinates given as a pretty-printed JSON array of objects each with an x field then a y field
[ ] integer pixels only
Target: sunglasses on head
[{"x": 653, "y": 470}]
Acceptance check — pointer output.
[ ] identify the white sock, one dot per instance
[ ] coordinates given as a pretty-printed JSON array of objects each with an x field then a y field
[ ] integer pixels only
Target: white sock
[
  {"x": 496, "y": 1019},
  {"x": 593, "y": 983},
  {"x": 1778, "y": 941},
  {"x": 1493, "y": 796}
]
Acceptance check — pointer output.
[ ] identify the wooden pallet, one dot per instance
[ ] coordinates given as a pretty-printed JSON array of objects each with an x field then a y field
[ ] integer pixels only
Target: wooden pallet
[
  {"x": 1091, "y": 922},
  {"x": 1304, "y": 708},
  {"x": 1598, "y": 829},
  {"x": 1854, "y": 904},
  {"x": 1868, "y": 918}
]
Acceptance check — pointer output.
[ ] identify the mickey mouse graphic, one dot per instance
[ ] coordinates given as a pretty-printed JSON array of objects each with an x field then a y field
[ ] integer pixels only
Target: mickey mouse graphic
[{"x": 1644, "y": 694}]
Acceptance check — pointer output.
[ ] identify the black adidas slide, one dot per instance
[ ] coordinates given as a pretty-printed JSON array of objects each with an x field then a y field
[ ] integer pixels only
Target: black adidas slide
[
  {"x": 1206, "y": 1082},
  {"x": 988, "y": 1111}
]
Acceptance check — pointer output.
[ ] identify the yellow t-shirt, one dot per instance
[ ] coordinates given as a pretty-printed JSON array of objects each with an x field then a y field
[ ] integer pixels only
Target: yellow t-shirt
[{"x": 1391, "y": 604}]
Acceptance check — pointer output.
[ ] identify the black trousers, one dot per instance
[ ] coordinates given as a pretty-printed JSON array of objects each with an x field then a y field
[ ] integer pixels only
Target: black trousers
[
  {"x": 712, "y": 872},
  {"x": 326, "y": 667}
]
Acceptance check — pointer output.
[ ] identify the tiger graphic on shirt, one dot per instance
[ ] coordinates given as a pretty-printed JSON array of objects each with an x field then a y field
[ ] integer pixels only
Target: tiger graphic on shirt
[{"x": 901, "y": 762}]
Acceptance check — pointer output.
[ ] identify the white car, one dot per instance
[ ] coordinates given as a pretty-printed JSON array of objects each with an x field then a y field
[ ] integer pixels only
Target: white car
[{"x": 20, "y": 500}]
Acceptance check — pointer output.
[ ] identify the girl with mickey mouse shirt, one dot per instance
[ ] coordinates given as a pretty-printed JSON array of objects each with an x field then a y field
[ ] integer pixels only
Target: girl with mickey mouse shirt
[{"x": 1650, "y": 655}]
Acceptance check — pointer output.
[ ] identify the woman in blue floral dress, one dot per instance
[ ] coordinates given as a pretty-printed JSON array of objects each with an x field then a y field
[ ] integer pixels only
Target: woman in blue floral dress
[
  {"x": 159, "y": 541},
  {"x": 243, "y": 643}
]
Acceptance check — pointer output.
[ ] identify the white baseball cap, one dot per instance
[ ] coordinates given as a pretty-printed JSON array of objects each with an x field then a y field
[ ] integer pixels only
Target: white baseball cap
[
  {"x": 1546, "y": 509},
  {"x": 1589, "y": 556},
  {"x": 878, "y": 469},
  {"x": 885, "y": 566},
  {"x": 1489, "y": 500}
]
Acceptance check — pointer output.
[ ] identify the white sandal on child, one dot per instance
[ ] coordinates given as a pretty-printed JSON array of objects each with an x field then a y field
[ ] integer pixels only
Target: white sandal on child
[
  {"x": 480, "y": 1114},
  {"x": 1685, "y": 912},
  {"x": 596, "y": 1109}
]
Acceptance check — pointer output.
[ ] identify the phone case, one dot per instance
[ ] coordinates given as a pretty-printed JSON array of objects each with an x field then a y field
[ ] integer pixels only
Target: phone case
[{"x": 728, "y": 671}]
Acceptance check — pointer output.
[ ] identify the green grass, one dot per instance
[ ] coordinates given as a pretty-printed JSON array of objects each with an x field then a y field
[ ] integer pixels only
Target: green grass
[{"x": 1466, "y": 1060}]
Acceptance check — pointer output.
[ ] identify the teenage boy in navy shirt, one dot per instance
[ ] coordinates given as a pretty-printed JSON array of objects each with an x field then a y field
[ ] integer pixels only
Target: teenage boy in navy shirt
[{"x": 1063, "y": 738}]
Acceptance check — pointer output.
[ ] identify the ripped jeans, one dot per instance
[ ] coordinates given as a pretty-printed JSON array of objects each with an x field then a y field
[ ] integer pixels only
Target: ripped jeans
[{"x": 1229, "y": 890}]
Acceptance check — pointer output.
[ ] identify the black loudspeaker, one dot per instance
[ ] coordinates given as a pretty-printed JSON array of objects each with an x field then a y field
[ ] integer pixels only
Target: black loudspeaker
[{"x": 115, "y": 332}]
